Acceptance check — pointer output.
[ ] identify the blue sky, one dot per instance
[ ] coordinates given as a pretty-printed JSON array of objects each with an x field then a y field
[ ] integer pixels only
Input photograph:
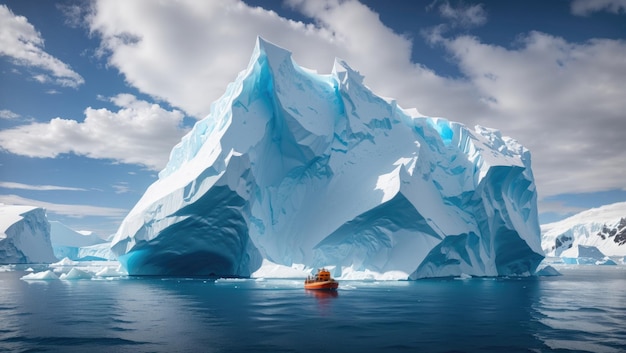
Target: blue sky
[{"x": 93, "y": 95}]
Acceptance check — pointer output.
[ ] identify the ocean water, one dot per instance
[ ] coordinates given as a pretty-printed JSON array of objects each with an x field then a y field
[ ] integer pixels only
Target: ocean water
[{"x": 583, "y": 310}]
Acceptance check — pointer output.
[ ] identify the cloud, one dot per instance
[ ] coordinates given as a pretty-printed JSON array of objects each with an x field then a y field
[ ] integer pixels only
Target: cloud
[
  {"x": 563, "y": 100},
  {"x": 74, "y": 211},
  {"x": 74, "y": 12},
  {"x": 463, "y": 15},
  {"x": 7, "y": 114},
  {"x": 24, "y": 45},
  {"x": 121, "y": 188},
  {"x": 558, "y": 210},
  {"x": 187, "y": 52},
  {"x": 11, "y": 185},
  {"x": 138, "y": 133},
  {"x": 587, "y": 7}
]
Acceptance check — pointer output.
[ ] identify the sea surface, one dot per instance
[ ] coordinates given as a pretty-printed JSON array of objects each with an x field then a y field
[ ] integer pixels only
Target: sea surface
[{"x": 582, "y": 310}]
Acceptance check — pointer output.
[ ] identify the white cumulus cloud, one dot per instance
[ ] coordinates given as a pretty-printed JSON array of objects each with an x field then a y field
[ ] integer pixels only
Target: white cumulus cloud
[
  {"x": 188, "y": 51},
  {"x": 563, "y": 100},
  {"x": 138, "y": 133},
  {"x": 7, "y": 114},
  {"x": 20, "y": 41}
]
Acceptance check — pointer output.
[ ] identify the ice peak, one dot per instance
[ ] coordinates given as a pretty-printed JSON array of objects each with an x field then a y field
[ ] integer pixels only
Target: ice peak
[
  {"x": 343, "y": 72},
  {"x": 273, "y": 53}
]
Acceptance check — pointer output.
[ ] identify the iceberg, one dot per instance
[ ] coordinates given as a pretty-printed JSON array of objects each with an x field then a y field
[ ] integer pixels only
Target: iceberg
[
  {"x": 75, "y": 274},
  {"x": 24, "y": 235},
  {"x": 108, "y": 271},
  {"x": 603, "y": 228},
  {"x": 304, "y": 170},
  {"x": 84, "y": 245},
  {"x": 585, "y": 255}
]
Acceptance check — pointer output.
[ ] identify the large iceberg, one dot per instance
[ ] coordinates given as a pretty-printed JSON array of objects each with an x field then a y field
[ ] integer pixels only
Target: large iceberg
[
  {"x": 24, "y": 235},
  {"x": 603, "y": 228},
  {"x": 302, "y": 169}
]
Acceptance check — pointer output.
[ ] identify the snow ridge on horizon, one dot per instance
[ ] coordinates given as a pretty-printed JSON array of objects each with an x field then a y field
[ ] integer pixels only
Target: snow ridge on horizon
[{"x": 592, "y": 227}]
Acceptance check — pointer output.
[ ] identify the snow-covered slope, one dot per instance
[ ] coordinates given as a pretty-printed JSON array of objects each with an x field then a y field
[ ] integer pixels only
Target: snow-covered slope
[
  {"x": 298, "y": 168},
  {"x": 24, "y": 235},
  {"x": 603, "y": 228}
]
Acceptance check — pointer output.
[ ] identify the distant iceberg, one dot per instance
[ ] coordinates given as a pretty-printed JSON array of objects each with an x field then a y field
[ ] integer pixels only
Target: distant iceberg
[
  {"x": 24, "y": 235},
  {"x": 75, "y": 274},
  {"x": 585, "y": 255},
  {"x": 68, "y": 243},
  {"x": 297, "y": 168}
]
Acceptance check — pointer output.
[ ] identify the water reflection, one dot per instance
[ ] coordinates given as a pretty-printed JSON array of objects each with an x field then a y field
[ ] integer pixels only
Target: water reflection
[{"x": 321, "y": 294}]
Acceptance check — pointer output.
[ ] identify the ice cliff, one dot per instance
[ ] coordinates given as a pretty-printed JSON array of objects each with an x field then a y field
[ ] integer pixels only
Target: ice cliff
[
  {"x": 24, "y": 235},
  {"x": 603, "y": 228},
  {"x": 302, "y": 169}
]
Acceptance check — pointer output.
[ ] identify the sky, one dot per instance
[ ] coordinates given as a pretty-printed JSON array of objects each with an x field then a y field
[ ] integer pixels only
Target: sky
[{"x": 94, "y": 94}]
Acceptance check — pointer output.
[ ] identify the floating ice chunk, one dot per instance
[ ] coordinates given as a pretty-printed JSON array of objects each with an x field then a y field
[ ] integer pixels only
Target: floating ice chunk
[
  {"x": 40, "y": 276},
  {"x": 606, "y": 261},
  {"x": 65, "y": 262},
  {"x": 464, "y": 276},
  {"x": 111, "y": 272},
  {"x": 75, "y": 274}
]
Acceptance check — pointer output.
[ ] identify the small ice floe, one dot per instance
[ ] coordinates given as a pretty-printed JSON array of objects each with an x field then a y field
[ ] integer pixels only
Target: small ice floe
[
  {"x": 75, "y": 274},
  {"x": 231, "y": 280},
  {"x": 463, "y": 276},
  {"x": 30, "y": 269},
  {"x": 63, "y": 265},
  {"x": 40, "y": 276},
  {"x": 606, "y": 261},
  {"x": 7, "y": 268},
  {"x": 111, "y": 272}
]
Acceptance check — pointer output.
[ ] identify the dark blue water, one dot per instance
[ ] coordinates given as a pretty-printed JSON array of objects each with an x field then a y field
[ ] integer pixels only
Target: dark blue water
[{"x": 583, "y": 310}]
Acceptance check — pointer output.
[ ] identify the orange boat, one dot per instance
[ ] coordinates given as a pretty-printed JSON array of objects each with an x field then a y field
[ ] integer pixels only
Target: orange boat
[{"x": 321, "y": 281}]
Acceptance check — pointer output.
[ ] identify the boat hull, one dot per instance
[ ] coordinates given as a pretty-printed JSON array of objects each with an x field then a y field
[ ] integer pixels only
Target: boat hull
[{"x": 324, "y": 285}]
